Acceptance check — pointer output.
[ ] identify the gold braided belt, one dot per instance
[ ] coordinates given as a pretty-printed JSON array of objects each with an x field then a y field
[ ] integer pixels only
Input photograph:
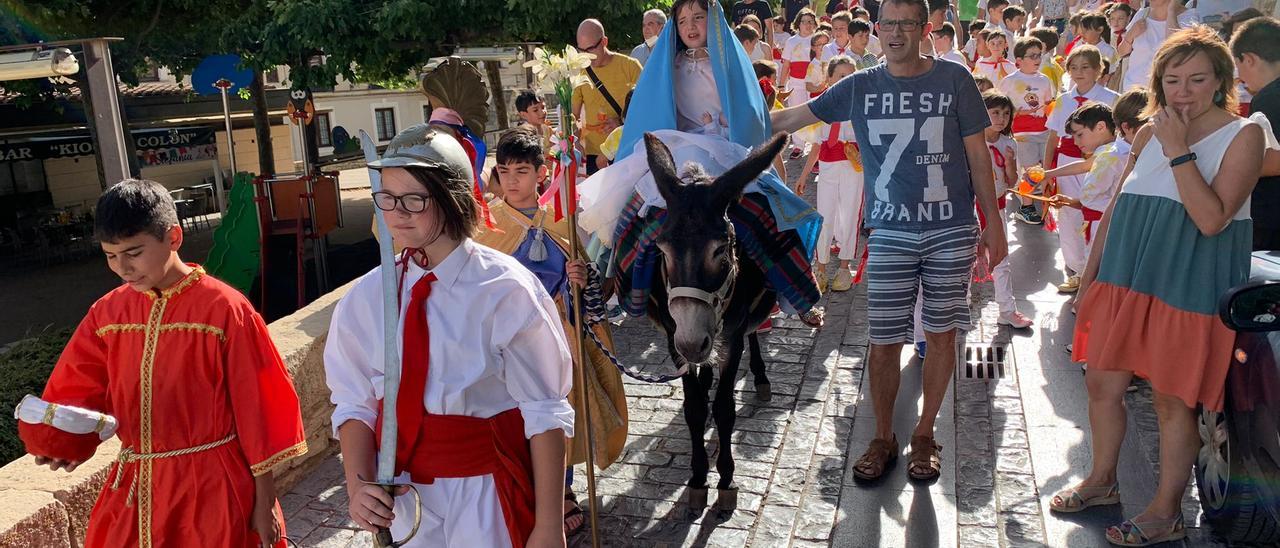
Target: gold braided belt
[{"x": 128, "y": 456}]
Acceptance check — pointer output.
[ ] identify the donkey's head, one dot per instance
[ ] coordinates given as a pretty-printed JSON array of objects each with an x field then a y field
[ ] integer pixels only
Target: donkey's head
[{"x": 697, "y": 241}]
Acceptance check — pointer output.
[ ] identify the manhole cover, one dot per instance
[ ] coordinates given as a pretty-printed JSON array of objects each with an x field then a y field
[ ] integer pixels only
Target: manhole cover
[{"x": 983, "y": 361}]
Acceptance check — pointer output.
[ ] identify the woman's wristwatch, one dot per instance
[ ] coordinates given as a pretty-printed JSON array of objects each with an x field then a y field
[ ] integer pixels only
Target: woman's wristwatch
[{"x": 1188, "y": 157}]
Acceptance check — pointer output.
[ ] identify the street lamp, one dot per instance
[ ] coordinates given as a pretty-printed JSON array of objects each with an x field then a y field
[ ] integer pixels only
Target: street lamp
[{"x": 42, "y": 63}]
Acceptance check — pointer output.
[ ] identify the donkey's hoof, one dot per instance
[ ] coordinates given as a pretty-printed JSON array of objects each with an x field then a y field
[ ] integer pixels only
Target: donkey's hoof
[
  {"x": 727, "y": 499},
  {"x": 764, "y": 392},
  {"x": 696, "y": 497}
]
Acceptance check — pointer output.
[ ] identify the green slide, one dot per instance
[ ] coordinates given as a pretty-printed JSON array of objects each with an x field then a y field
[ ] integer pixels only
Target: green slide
[{"x": 235, "y": 253}]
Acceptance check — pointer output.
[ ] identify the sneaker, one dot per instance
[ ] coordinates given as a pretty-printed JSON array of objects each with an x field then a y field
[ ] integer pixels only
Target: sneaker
[
  {"x": 795, "y": 153},
  {"x": 1070, "y": 286},
  {"x": 1015, "y": 319},
  {"x": 1029, "y": 215},
  {"x": 920, "y": 348},
  {"x": 1068, "y": 348},
  {"x": 765, "y": 327},
  {"x": 843, "y": 281},
  {"x": 823, "y": 281},
  {"x": 815, "y": 169}
]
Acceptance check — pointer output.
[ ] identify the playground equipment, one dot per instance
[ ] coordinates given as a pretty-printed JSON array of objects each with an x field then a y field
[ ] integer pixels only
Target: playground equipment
[
  {"x": 236, "y": 253},
  {"x": 308, "y": 207}
]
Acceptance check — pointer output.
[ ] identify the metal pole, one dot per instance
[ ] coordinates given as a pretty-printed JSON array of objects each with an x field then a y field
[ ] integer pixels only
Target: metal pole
[
  {"x": 580, "y": 379},
  {"x": 223, "y": 85},
  {"x": 113, "y": 155}
]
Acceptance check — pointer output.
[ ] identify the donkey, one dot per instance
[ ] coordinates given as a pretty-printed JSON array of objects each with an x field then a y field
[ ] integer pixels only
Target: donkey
[{"x": 704, "y": 297}]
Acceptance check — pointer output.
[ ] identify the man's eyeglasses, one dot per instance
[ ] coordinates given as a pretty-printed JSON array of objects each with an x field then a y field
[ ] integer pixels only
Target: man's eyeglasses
[
  {"x": 413, "y": 203},
  {"x": 593, "y": 46},
  {"x": 904, "y": 25}
]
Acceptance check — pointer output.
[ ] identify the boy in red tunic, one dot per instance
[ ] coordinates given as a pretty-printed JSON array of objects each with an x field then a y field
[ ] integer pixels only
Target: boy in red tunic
[{"x": 205, "y": 406}]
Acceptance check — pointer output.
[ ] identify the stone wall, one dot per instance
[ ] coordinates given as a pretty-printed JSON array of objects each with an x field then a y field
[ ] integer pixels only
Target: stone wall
[{"x": 41, "y": 508}]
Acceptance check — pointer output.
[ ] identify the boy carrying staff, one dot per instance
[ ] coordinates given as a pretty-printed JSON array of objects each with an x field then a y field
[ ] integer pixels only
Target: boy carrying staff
[{"x": 530, "y": 233}]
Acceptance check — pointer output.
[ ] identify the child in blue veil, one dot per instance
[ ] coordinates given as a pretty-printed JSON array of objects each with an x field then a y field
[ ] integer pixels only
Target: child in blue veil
[{"x": 698, "y": 94}]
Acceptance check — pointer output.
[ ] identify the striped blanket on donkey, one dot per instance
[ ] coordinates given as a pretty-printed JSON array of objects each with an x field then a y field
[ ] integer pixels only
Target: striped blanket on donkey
[{"x": 779, "y": 254}]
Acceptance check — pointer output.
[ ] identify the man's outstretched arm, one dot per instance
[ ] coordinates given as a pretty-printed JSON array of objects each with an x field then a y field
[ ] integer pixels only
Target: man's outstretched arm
[{"x": 793, "y": 118}]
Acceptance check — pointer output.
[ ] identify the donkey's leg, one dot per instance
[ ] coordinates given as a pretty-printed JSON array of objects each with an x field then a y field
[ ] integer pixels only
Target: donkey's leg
[
  {"x": 764, "y": 390},
  {"x": 725, "y": 416},
  {"x": 695, "y": 416}
]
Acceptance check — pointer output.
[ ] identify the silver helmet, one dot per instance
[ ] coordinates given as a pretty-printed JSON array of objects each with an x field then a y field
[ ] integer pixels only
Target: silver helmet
[{"x": 429, "y": 146}]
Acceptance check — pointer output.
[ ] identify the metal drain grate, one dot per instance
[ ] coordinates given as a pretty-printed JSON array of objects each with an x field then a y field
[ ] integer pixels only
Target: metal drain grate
[{"x": 983, "y": 361}]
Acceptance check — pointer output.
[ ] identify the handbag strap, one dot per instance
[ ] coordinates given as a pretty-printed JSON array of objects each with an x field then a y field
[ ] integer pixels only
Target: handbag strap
[{"x": 596, "y": 83}]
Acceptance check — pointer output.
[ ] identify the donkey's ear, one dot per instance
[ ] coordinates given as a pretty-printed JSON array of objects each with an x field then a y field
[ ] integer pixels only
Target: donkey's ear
[
  {"x": 729, "y": 185},
  {"x": 662, "y": 166}
]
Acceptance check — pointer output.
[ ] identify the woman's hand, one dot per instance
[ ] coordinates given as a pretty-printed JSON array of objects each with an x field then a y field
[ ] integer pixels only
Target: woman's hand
[
  {"x": 371, "y": 506},
  {"x": 803, "y": 183},
  {"x": 56, "y": 464},
  {"x": 548, "y": 536},
  {"x": 1170, "y": 127},
  {"x": 577, "y": 273},
  {"x": 265, "y": 524}
]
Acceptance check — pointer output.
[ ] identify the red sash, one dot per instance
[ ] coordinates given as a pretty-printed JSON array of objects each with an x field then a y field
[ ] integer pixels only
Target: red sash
[
  {"x": 1026, "y": 123},
  {"x": 458, "y": 446},
  {"x": 832, "y": 149},
  {"x": 799, "y": 69}
]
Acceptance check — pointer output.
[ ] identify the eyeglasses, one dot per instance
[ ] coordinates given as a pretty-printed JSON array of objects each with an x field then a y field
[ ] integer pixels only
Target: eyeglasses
[
  {"x": 593, "y": 46},
  {"x": 413, "y": 203},
  {"x": 904, "y": 25}
]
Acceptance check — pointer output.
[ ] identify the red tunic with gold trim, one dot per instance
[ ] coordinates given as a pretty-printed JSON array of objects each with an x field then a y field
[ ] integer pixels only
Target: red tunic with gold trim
[{"x": 204, "y": 404}]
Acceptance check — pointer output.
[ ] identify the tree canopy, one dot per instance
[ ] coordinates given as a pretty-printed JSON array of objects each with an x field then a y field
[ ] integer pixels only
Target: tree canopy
[{"x": 371, "y": 40}]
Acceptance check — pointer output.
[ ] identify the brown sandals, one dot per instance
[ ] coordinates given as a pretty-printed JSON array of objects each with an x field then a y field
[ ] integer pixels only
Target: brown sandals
[
  {"x": 880, "y": 455},
  {"x": 925, "y": 461}
]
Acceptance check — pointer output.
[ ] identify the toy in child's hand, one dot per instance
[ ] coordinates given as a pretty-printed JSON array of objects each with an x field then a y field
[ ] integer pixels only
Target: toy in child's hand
[{"x": 61, "y": 432}]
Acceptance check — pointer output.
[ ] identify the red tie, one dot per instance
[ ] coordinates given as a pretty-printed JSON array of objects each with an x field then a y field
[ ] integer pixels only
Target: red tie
[
  {"x": 415, "y": 361},
  {"x": 1081, "y": 100}
]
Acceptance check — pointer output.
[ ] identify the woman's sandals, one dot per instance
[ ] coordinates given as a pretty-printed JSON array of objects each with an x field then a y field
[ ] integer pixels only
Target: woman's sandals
[
  {"x": 1130, "y": 533},
  {"x": 880, "y": 455},
  {"x": 1075, "y": 499}
]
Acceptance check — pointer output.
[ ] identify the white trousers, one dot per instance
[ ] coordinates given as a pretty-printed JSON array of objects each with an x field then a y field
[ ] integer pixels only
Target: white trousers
[
  {"x": 456, "y": 512},
  {"x": 1071, "y": 221},
  {"x": 840, "y": 204}
]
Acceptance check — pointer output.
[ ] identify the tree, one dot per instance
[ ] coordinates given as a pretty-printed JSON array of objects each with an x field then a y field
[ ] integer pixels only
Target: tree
[{"x": 319, "y": 40}]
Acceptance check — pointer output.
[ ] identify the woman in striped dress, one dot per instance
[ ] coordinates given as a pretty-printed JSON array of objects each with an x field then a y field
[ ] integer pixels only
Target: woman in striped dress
[{"x": 1172, "y": 242}]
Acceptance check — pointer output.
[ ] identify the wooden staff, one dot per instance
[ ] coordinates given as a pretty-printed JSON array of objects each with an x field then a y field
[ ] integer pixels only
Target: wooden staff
[{"x": 581, "y": 386}]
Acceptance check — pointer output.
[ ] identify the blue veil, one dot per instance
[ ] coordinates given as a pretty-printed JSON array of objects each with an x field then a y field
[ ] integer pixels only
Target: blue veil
[
  {"x": 740, "y": 97},
  {"x": 654, "y": 103}
]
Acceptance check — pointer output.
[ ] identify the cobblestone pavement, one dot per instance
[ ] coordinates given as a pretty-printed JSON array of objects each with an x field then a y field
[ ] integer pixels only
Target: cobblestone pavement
[{"x": 1008, "y": 443}]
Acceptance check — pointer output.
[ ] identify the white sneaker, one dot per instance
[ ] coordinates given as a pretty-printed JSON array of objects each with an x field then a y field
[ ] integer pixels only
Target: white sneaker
[{"x": 1015, "y": 320}]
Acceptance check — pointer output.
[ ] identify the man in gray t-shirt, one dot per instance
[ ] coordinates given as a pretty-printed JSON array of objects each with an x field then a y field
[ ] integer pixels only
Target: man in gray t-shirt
[
  {"x": 919, "y": 125},
  {"x": 911, "y": 130}
]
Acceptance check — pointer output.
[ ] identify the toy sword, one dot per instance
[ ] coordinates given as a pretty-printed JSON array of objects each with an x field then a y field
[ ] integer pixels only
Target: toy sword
[{"x": 390, "y": 356}]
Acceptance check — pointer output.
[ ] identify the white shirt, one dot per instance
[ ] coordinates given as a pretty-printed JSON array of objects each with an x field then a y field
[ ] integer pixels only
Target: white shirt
[
  {"x": 994, "y": 70},
  {"x": 1031, "y": 95},
  {"x": 762, "y": 53},
  {"x": 1008, "y": 151},
  {"x": 955, "y": 55},
  {"x": 1138, "y": 70},
  {"x": 831, "y": 50},
  {"x": 797, "y": 48},
  {"x": 496, "y": 343},
  {"x": 1108, "y": 52},
  {"x": 1067, "y": 103}
]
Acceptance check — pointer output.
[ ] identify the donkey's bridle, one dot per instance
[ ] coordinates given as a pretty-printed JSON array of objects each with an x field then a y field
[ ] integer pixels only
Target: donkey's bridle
[{"x": 715, "y": 299}]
